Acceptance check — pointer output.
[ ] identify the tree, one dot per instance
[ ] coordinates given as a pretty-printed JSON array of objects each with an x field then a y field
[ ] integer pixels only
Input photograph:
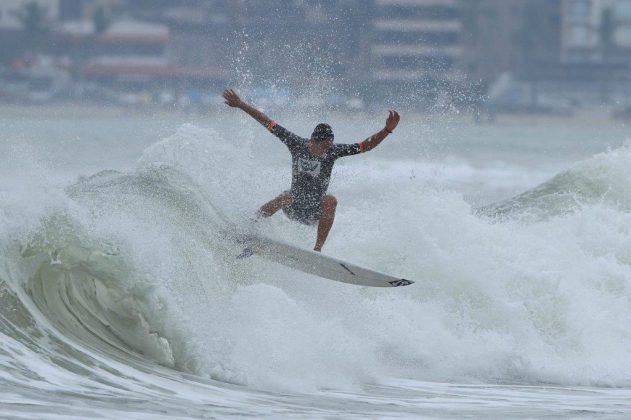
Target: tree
[
  {"x": 32, "y": 18},
  {"x": 101, "y": 21}
]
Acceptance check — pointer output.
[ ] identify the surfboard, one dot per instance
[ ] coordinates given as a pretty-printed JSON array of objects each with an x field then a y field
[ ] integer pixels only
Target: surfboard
[{"x": 312, "y": 262}]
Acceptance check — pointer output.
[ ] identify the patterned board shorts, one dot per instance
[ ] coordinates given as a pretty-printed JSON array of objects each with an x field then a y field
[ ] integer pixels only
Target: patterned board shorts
[{"x": 303, "y": 211}]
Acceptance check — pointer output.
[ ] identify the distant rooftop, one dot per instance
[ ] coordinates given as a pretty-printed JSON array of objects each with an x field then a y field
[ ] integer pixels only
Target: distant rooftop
[
  {"x": 416, "y": 2},
  {"x": 411, "y": 25},
  {"x": 119, "y": 31}
]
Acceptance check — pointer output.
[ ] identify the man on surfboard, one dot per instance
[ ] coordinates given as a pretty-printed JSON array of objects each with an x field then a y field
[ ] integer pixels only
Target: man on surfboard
[{"x": 312, "y": 160}]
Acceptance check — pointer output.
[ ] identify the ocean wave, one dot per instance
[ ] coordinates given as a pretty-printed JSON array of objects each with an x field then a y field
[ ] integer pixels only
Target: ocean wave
[
  {"x": 131, "y": 264},
  {"x": 601, "y": 179}
]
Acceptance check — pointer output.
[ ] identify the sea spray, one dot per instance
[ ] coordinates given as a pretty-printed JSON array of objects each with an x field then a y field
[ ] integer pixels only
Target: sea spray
[{"x": 497, "y": 300}]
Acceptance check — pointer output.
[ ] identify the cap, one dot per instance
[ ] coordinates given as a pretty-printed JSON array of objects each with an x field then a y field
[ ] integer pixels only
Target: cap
[{"x": 322, "y": 131}]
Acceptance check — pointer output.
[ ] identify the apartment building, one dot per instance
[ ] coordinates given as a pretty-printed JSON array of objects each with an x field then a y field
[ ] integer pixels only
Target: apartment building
[
  {"x": 597, "y": 31},
  {"x": 9, "y": 8},
  {"x": 415, "y": 41}
]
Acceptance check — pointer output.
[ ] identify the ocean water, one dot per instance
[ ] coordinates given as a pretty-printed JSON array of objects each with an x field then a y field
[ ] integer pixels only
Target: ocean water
[{"x": 119, "y": 300}]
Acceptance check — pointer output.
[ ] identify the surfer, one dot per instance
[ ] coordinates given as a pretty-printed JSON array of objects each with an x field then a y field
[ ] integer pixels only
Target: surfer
[{"x": 312, "y": 160}]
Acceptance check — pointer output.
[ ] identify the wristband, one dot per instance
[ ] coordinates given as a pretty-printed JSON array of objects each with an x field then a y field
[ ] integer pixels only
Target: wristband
[{"x": 388, "y": 131}]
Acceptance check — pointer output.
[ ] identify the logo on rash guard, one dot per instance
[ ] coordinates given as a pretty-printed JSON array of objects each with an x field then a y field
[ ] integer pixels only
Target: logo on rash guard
[{"x": 311, "y": 167}]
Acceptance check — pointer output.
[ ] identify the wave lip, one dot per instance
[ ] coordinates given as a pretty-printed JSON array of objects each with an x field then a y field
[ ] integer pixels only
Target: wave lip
[
  {"x": 81, "y": 291},
  {"x": 108, "y": 296},
  {"x": 603, "y": 179},
  {"x": 134, "y": 267}
]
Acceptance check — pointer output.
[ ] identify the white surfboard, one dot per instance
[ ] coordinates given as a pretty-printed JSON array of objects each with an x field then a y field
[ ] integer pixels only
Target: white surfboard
[{"x": 315, "y": 263}]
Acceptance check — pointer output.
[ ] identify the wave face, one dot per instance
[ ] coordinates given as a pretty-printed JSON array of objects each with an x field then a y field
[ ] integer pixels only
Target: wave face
[
  {"x": 121, "y": 279},
  {"x": 601, "y": 180}
]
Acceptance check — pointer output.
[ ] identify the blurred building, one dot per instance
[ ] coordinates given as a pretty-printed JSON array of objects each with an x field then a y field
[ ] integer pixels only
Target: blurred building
[
  {"x": 23, "y": 26},
  {"x": 415, "y": 42},
  {"x": 563, "y": 52},
  {"x": 521, "y": 37},
  {"x": 9, "y": 9},
  {"x": 512, "y": 50},
  {"x": 581, "y": 20},
  {"x": 596, "y": 30},
  {"x": 53, "y": 10},
  {"x": 128, "y": 53},
  {"x": 299, "y": 43},
  {"x": 429, "y": 51},
  {"x": 199, "y": 29},
  {"x": 73, "y": 9},
  {"x": 596, "y": 47},
  {"x": 489, "y": 27}
]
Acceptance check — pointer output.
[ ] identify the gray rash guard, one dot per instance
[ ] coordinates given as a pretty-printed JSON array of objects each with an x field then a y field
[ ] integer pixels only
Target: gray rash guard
[{"x": 310, "y": 174}]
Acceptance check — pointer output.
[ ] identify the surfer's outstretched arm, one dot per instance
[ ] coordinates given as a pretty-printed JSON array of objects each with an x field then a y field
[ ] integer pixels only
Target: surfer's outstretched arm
[
  {"x": 233, "y": 100},
  {"x": 374, "y": 140},
  {"x": 286, "y": 136}
]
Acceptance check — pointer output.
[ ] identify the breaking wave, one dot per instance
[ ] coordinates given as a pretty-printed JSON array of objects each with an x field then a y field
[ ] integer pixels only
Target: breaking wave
[{"x": 534, "y": 289}]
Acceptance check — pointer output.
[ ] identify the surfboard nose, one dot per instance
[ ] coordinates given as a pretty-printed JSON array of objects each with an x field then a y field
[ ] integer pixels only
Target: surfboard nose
[{"x": 402, "y": 282}]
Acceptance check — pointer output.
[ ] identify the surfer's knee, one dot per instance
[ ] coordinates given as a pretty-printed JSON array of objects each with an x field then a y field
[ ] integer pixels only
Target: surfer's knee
[
  {"x": 283, "y": 200},
  {"x": 286, "y": 199}
]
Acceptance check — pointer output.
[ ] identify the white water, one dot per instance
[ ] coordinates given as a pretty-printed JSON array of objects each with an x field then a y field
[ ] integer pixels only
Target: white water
[{"x": 120, "y": 299}]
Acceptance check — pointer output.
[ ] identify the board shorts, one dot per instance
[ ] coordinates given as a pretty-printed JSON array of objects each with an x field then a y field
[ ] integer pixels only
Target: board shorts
[{"x": 303, "y": 211}]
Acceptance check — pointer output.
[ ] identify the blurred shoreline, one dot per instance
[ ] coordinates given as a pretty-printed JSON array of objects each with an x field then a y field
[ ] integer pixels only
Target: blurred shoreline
[{"x": 87, "y": 110}]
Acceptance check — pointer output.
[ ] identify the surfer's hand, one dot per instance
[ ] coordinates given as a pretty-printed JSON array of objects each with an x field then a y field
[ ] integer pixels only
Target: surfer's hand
[
  {"x": 231, "y": 98},
  {"x": 392, "y": 121}
]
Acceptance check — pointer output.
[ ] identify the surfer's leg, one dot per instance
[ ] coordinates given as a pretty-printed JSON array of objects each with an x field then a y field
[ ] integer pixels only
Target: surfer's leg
[
  {"x": 329, "y": 204},
  {"x": 272, "y": 206}
]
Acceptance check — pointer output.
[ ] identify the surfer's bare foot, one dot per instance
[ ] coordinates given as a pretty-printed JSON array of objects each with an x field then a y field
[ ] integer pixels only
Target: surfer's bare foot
[{"x": 318, "y": 249}]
